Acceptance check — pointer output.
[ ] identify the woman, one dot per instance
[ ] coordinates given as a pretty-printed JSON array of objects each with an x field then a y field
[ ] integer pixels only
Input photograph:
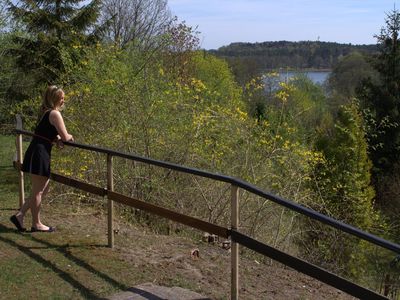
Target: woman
[{"x": 50, "y": 129}]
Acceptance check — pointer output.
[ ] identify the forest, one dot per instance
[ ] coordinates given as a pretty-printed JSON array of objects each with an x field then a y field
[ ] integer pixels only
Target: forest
[
  {"x": 137, "y": 81},
  {"x": 293, "y": 55}
]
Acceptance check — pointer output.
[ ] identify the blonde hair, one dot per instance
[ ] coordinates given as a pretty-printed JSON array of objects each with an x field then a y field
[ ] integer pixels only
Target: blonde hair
[
  {"x": 51, "y": 97},
  {"x": 50, "y": 100}
]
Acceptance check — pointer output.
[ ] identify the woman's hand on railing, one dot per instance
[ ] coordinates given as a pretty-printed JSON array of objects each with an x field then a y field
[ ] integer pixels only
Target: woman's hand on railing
[{"x": 59, "y": 143}]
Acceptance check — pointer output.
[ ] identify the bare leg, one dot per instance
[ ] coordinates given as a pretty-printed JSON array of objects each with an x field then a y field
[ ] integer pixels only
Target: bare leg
[{"x": 40, "y": 186}]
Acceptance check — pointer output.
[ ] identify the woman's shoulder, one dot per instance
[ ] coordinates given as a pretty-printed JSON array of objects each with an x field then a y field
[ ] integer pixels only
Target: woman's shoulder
[{"x": 54, "y": 115}]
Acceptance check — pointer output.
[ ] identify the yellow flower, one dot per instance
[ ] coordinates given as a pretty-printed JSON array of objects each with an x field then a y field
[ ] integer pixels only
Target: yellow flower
[
  {"x": 110, "y": 81},
  {"x": 242, "y": 114}
]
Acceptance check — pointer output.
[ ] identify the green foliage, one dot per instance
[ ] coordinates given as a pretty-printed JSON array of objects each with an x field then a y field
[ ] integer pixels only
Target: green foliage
[
  {"x": 255, "y": 97},
  {"x": 345, "y": 178},
  {"x": 343, "y": 184},
  {"x": 348, "y": 74},
  {"x": 6, "y": 75},
  {"x": 244, "y": 69},
  {"x": 307, "y": 105}
]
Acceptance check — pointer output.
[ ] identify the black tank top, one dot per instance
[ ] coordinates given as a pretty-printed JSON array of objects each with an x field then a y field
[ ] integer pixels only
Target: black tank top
[{"x": 44, "y": 131}]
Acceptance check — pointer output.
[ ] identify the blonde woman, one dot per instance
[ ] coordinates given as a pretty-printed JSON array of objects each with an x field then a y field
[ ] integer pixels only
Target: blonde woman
[{"x": 50, "y": 129}]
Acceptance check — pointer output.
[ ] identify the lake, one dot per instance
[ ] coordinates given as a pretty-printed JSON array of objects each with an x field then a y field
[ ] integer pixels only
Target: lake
[{"x": 318, "y": 77}]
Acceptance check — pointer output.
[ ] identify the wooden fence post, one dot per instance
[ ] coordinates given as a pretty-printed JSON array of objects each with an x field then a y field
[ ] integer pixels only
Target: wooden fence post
[
  {"x": 234, "y": 246},
  {"x": 19, "y": 162},
  {"x": 110, "y": 187}
]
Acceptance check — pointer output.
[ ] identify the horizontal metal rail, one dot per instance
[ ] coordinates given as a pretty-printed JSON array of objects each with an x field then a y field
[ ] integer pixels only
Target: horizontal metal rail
[
  {"x": 245, "y": 186},
  {"x": 306, "y": 268}
]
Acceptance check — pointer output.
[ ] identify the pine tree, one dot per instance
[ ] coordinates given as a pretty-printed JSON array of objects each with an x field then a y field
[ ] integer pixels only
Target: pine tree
[
  {"x": 53, "y": 32},
  {"x": 382, "y": 100},
  {"x": 343, "y": 184}
]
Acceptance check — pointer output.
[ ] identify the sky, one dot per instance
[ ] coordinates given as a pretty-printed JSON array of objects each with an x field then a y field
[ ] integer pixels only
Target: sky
[{"x": 221, "y": 22}]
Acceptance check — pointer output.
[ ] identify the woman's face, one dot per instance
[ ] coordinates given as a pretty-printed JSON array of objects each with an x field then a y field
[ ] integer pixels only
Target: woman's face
[{"x": 60, "y": 102}]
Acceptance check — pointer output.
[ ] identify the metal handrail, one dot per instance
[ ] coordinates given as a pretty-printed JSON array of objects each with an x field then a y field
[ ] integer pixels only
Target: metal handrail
[{"x": 245, "y": 186}]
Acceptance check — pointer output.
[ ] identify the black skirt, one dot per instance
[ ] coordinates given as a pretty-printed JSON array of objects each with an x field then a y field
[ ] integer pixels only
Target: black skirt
[{"x": 37, "y": 158}]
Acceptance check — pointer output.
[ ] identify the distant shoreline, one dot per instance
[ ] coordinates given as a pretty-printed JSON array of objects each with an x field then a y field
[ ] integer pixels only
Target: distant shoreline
[{"x": 299, "y": 70}]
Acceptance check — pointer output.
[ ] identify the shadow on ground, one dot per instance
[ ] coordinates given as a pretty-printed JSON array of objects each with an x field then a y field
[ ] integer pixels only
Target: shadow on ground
[{"x": 63, "y": 250}]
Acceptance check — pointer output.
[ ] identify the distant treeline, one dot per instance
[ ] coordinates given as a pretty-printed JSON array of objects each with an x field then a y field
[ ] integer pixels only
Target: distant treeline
[{"x": 294, "y": 55}]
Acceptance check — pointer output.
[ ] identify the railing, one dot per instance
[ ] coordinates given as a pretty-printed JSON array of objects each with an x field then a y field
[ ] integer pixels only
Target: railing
[{"x": 233, "y": 232}]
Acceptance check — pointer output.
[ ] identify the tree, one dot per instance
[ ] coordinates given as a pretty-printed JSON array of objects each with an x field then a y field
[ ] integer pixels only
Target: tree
[
  {"x": 3, "y": 16},
  {"x": 381, "y": 104},
  {"x": 7, "y": 63},
  {"x": 343, "y": 184},
  {"x": 182, "y": 41},
  {"x": 136, "y": 21},
  {"x": 348, "y": 74},
  {"x": 48, "y": 27},
  {"x": 382, "y": 99},
  {"x": 244, "y": 69}
]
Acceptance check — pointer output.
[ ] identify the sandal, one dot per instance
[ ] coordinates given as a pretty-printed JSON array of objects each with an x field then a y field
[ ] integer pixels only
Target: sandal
[
  {"x": 51, "y": 229},
  {"x": 15, "y": 221}
]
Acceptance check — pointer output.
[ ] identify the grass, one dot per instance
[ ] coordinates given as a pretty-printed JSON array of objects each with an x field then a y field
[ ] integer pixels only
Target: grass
[{"x": 8, "y": 176}]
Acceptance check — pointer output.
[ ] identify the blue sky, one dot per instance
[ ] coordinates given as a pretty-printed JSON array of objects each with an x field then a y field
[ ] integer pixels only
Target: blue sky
[{"x": 222, "y": 22}]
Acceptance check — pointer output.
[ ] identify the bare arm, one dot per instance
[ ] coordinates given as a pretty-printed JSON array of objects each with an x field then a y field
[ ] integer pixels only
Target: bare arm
[{"x": 57, "y": 121}]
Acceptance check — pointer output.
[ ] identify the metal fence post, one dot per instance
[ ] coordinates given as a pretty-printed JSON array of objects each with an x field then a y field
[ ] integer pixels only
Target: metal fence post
[
  {"x": 110, "y": 187},
  {"x": 19, "y": 162},
  {"x": 234, "y": 246}
]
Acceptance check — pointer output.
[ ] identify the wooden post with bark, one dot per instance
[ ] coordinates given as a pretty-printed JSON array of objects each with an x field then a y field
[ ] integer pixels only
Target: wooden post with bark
[
  {"x": 18, "y": 160},
  {"x": 110, "y": 187},
  {"x": 234, "y": 246}
]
